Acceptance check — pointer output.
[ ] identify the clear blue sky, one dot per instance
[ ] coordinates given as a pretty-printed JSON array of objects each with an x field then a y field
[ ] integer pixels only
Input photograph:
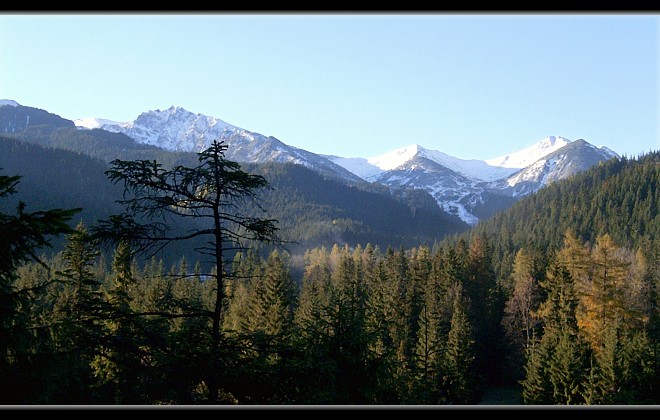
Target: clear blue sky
[{"x": 354, "y": 85}]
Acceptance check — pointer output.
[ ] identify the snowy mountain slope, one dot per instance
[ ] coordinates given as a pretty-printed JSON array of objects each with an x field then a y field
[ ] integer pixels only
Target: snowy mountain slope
[
  {"x": 451, "y": 189},
  {"x": 371, "y": 168},
  {"x": 99, "y": 123},
  {"x": 8, "y": 102},
  {"x": 461, "y": 186},
  {"x": 173, "y": 129},
  {"x": 177, "y": 129},
  {"x": 568, "y": 160},
  {"x": 531, "y": 154}
]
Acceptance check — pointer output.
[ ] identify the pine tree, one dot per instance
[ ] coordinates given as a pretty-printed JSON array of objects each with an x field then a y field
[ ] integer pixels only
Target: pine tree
[
  {"x": 536, "y": 385},
  {"x": 346, "y": 312},
  {"x": 83, "y": 306},
  {"x": 602, "y": 298},
  {"x": 575, "y": 256},
  {"x": 566, "y": 364},
  {"x": 404, "y": 333},
  {"x": 636, "y": 376},
  {"x": 278, "y": 291},
  {"x": 80, "y": 306},
  {"x": 265, "y": 332},
  {"x": 212, "y": 193},
  {"x": 247, "y": 269}
]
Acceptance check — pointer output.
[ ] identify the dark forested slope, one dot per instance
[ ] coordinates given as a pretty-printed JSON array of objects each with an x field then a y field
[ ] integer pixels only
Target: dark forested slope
[
  {"x": 619, "y": 197},
  {"x": 311, "y": 210}
]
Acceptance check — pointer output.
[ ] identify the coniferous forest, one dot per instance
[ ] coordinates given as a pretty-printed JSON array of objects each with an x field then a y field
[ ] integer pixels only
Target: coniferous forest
[{"x": 556, "y": 297}]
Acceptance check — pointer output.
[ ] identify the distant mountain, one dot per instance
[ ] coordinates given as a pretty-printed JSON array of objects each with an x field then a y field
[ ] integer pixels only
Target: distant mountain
[
  {"x": 63, "y": 166},
  {"x": 372, "y": 168},
  {"x": 179, "y": 130},
  {"x": 568, "y": 160},
  {"x": 473, "y": 189},
  {"x": 433, "y": 172},
  {"x": 172, "y": 129},
  {"x": 469, "y": 189},
  {"x": 15, "y": 118},
  {"x": 311, "y": 210},
  {"x": 529, "y": 155}
]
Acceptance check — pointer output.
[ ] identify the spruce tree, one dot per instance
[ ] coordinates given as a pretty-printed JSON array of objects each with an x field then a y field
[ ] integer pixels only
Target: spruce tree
[
  {"x": 557, "y": 361},
  {"x": 313, "y": 331},
  {"x": 460, "y": 380},
  {"x": 430, "y": 348},
  {"x": 80, "y": 305},
  {"x": 381, "y": 320}
]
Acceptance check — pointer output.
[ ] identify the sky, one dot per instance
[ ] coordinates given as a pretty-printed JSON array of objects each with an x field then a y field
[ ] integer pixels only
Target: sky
[{"x": 474, "y": 86}]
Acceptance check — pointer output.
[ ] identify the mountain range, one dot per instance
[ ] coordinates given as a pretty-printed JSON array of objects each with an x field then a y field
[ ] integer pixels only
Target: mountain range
[{"x": 470, "y": 189}]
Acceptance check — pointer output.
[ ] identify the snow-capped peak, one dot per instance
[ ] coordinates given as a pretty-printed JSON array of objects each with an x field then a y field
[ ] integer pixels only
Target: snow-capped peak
[
  {"x": 608, "y": 151},
  {"x": 531, "y": 154},
  {"x": 472, "y": 168},
  {"x": 8, "y": 102},
  {"x": 370, "y": 168},
  {"x": 395, "y": 158},
  {"x": 174, "y": 128},
  {"x": 96, "y": 123},
  {"x": 461, "y": 187}
]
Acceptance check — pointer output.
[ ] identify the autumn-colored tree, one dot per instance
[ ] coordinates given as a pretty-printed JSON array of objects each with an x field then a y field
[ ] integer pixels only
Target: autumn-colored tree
[
  {"x": 520, "y": 321},
  {"x": 602, "y": 302}
]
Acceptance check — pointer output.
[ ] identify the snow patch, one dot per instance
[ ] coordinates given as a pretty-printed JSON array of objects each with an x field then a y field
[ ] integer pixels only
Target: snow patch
[
  {"x": 531, "y": 154},
  {"x": 357, "y": 166},
  {"x": 8, "y": 102},
  {"x": 97, "y": 123},
  {"x": 395, "y": 158}
]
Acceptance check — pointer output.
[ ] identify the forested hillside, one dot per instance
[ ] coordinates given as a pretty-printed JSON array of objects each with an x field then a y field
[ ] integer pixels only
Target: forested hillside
[
  {"x": 56, "y": 178},
  {"x": 556, "y": 297},
  {"x": 311, "y": 210},
  {"x": 314, "y": 211},
  {"x": 619, "y": 197}
]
